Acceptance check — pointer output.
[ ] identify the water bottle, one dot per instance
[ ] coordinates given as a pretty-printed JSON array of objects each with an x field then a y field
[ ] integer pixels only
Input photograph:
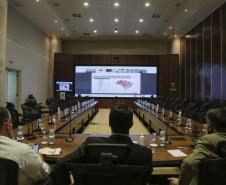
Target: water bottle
[
  {"x": 44, "y": 139},
  {"x": 20, "y": 135},
  {"x": 141, "y": 139},
  {"x": 205, "y": 129},
  {"x": 189, "y": 125},
  {"x": 51, "y": 136},
  {"x": 162, "y": 138},
  {"x": 58, "y": 110}
]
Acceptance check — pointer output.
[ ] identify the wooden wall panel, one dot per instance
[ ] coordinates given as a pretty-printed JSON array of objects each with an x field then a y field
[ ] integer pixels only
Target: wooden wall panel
[
  {"x": 193, "y": 70},
  {"x": 216, "y": 55},
  {"x": 187, "y": 68},
  {"x": 200, "y": 67},
  {"x": 207, "y": 59},
  {"x": 223, "y": 21}
]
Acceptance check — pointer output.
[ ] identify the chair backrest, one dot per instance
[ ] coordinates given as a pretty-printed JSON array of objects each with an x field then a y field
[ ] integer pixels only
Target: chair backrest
[
  {"x": 213, "y": 171},
  {"x": 8, "y": 172},
  {"x": 106, "y": 165}
]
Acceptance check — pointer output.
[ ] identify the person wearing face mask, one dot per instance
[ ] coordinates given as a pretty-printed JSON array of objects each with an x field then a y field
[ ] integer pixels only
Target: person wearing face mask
[
  {"x": 204, "y": 148},
  {"x": 32, "y": 169}
]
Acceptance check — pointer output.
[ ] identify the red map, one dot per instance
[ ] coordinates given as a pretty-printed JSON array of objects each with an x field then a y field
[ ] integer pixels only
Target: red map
[{"x": 125, "y": 84}]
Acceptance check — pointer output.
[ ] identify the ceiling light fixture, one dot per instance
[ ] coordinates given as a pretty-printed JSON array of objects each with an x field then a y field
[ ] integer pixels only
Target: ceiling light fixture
[
  {"x": 186, "y": 10},
  {"x": 141, "y": 20},
  {"x": 62, "y": 28},
  {"x": 37, "y": 0},
  {"x": 116, "y": 20},
  {"x": 67, "y": 34},
  {"x": 95, "y": 31},
  {"x": 91, "y": 20},
  {"x": 175, "y": 35},
  {"x": 116, "y": 4},
  {"x": 86, "y": 4},
  {"x": 147, "y": 4},
  {"x": 170, "y": 27},
  {"x": 56, "y": 21},
  {"x": 137, "y": 31},
  {"x": 116, "y": 31}
]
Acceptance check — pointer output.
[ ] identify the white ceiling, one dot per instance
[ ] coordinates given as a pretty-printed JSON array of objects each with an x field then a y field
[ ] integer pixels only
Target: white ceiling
[{"x": 171, "y": 12}]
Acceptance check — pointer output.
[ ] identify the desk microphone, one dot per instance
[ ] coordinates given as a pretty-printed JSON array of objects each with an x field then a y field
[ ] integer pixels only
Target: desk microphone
[
  {"x": 69, "y": 138},
  {"x": 167, "y": 141}
]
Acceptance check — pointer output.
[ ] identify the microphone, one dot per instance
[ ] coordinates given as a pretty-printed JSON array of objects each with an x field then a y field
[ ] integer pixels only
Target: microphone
[
  {"x": 69, "y": 138},
  {"x": 167, "y": 141}
]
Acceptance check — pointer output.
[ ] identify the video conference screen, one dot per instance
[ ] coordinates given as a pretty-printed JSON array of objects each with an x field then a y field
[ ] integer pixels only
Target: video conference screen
[
  {"x": 64, "y": 86},
  {"x": 116, "y": 81}
]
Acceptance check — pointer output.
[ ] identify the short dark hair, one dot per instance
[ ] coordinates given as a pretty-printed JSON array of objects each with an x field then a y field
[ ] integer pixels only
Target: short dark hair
[
  {"x": 217, "y": 118},
  {"x": 120, "y": 118},
  {"x": 4, "y": 115}
]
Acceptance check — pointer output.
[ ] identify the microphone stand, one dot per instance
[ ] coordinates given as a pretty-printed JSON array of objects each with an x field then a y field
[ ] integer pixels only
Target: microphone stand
[{"x": 69, "y": 138}]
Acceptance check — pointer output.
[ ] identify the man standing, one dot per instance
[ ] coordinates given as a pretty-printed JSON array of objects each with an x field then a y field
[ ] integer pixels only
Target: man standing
[
  {"x": 31, "y": 167},
  {"x": 120, "y": 121}
]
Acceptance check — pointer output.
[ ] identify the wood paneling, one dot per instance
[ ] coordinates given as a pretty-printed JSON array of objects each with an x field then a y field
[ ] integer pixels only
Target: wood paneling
[
  {"x": 168, "y": 69},
  {"x": 203, "y": 59}
]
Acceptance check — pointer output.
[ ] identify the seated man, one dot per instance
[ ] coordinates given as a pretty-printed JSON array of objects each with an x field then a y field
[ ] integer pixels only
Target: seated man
[
  {"x": 120, "y": 121},
  {"x": 31, "y": 167},
  {"x": 204, "y": 148}
]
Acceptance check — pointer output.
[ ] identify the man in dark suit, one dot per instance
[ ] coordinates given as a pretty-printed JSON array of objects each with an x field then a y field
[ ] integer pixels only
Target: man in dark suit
[{"x": 120, "y": 121}]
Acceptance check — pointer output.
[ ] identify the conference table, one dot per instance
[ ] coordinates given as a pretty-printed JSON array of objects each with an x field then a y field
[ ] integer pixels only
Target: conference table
[{"x": 161, "y": 155}]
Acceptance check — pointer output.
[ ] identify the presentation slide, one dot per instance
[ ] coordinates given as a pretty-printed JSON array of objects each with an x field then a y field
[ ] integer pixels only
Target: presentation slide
[{"x": 116, "y": 81}]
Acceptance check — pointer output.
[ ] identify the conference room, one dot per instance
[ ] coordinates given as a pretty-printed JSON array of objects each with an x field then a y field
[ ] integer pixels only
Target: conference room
[{"x": 65, "y": 66}]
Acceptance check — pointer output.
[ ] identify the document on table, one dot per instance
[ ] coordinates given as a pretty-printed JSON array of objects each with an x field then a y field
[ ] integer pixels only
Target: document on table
[
  {"x": 177, "y": 153},
  {"x": 50, "y": 151}
]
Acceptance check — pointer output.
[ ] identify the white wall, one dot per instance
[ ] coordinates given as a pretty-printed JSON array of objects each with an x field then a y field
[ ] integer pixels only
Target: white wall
[
  {"x": 27, "y": 51},
  {"x": 126, "y": 47}
]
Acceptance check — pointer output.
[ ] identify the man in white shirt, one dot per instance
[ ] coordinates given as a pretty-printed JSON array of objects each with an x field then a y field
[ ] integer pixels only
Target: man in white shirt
[{"x": 32, "y": 169}]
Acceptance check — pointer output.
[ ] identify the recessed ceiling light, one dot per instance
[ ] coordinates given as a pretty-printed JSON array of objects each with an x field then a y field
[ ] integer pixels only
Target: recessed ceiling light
[
  {"x": 56, "y": 21},
  {"x": 95, "y": 31},
  {"x": 186, "y": 10},
  {"x": 147, "y": 4},
  {"x": 141, "y": 20},
  {"x": 62, "y": 28},
  {"x": 91, "y": 20},
  {"x": 116, "y": 31},
  {"x": 116, "y": 4},
  {"x": 116, "y": 20},
  {"x": 175, "y": 35},
  {"x": 86, "y": 4},
  {"x": 137, "y": 31},
  {"x": 37, "y": 0},
  {"x": 170, "y": 27}
]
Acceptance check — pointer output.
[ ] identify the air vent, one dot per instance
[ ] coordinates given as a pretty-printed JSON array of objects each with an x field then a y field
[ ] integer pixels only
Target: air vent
[
  {"x": 56, "y": 4},
  {"x": 16, "y": 3},
  {"x": 76, "y": 15},
  {"x": 86, "y": 34},
  {"x": 147, "y": 35},
  {"x": 178, "y": 4},
  {"x": 154, "y": 16}
]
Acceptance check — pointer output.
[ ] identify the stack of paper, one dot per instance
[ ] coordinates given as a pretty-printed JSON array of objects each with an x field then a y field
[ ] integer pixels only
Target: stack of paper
[
  {"x": 50, "y": 151},
  {"x": 177, "y": 153}
]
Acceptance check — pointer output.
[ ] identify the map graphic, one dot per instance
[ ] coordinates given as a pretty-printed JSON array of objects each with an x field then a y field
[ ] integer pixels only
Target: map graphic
[{"x": 125, "y": 84}]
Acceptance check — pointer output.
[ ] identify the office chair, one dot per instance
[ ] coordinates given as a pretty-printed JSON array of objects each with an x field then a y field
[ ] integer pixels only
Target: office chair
[
  {"x": 8, "y": 172},
  {"x": 213, "y": 171},
  {"x": 106, "y": 165}
]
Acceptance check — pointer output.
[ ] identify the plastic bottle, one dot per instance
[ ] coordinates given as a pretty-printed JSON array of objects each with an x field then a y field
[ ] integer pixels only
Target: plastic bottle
[{"x": 162, "y": 138}]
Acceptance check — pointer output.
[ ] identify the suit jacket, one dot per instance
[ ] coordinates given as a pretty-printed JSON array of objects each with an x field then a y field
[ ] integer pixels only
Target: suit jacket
[
  {"x": 204, "y": 148},
  {"x": 139, "y": 155}
]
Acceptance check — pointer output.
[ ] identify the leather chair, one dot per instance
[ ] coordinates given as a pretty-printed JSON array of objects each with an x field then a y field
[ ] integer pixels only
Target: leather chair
[
  {"x": 106, "y": 165},
  {"x": 213, "y": 171},
  {"x": 8, "y": 172}
]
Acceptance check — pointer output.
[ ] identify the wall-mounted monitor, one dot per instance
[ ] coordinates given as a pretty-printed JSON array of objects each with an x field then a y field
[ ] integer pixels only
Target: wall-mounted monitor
[
  {"x": 116, "y": 81},
  {"x": 62, "y": 86}
]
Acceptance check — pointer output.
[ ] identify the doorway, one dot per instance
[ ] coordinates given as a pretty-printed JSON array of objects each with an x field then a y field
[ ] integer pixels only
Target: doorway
[{"x": 13, "y": 87}]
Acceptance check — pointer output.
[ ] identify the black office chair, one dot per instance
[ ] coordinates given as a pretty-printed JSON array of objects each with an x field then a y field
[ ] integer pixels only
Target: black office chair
[
  {"x": 8, "y": 172},
  {"x": 106, "y": 165},
  {"x": 213, "y": 171}
]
